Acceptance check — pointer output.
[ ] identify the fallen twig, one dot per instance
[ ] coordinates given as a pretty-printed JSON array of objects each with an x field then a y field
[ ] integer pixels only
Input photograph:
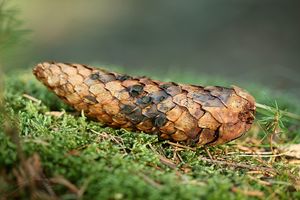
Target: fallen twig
[
  {"x": 181, "y": 146},
  {"x": 55, "y": 113},
  {"x": 253, "y": 193},
  {"x": 236, "y": 165},
  {"x": 31, "y": 98},
  {"x": 167, "y": 162},
  {"x": 150, "y": 180},
  {"x": 62, "y": 181}
]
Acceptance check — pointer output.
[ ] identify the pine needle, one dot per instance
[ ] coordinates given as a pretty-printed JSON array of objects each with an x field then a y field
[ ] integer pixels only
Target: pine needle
[{"x": 274, "y": 110}]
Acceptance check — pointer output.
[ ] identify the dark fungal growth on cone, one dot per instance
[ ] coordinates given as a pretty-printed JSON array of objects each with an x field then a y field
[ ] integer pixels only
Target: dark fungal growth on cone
[
  {"x": 94, "y": 76},
  {"x": 123, "y": 77},
  {"x": 91, "y": 98},
  {"x": 135, "y": 90},
  {"x": 127, "y": 109},
  {"x": 160, "y": 120},
  {"x": 190, "y": 114},
  {"x": 158, "y": 96},
  {"x": 136, "y": 115},
  {"x": 144, "y": 101}
]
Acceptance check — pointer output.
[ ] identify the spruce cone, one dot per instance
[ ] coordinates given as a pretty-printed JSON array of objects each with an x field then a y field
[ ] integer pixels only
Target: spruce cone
[{"x": 179, "y": 112}]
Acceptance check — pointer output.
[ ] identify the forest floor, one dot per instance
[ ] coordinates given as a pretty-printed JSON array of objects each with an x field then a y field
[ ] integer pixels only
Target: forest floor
[{"x": 49, "y": 151}]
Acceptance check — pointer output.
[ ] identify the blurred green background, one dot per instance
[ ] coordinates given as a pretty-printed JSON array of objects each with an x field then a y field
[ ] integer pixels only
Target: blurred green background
[{"x": 239, "y": 40}]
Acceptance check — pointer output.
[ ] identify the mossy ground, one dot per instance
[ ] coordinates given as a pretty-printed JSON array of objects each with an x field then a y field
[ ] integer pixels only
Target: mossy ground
[{"x": 72, "y": 157}]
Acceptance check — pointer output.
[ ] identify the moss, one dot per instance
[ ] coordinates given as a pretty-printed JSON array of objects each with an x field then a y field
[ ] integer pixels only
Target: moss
[{"x": 118, "y": 164}]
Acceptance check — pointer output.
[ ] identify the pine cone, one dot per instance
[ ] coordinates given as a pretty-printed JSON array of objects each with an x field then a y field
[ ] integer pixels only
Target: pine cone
[{"x": 179, "y": 112}]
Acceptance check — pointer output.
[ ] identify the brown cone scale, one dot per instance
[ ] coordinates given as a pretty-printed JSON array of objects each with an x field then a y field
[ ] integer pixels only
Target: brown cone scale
[{"x": 179, "y": 112}]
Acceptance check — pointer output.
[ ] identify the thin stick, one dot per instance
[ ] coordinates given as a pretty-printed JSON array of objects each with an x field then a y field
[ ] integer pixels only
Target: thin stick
[
  {"x": 181, "y": 146},
  {"x": 236, "y": 165},
  {"x": 32, "y": 98},
  {"x": 150, "y": 180},
  {"x": 285, "y": 113}
]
